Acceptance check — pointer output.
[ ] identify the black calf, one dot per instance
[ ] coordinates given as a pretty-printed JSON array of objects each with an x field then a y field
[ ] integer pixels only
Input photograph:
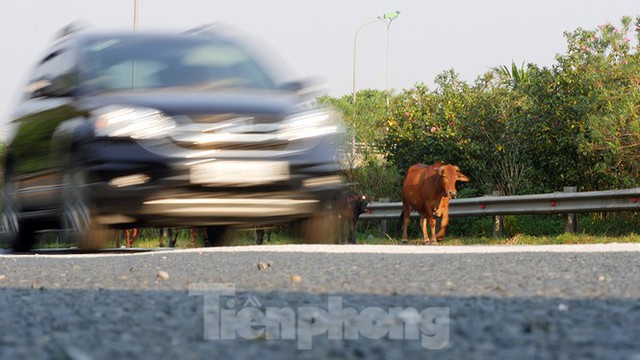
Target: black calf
[{"x": 348, "y": 206}]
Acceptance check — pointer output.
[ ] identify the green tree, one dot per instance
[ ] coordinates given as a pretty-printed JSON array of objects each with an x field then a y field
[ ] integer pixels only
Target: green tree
[
  {"x": 599, "y": 78},
  {"x": 518, "y": 129},
  {"x": 363, "y": 162}
]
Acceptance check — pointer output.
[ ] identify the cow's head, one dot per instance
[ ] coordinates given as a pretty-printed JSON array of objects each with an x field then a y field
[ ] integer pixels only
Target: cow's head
[
  {"x": 358, "y": 203},
  {"x": 362, "y": 204},
  {"x": 449, "y": 174}
]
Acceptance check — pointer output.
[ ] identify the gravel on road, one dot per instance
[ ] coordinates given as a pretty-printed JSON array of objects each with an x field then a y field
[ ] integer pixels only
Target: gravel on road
[{"x": 323, "y": 301}]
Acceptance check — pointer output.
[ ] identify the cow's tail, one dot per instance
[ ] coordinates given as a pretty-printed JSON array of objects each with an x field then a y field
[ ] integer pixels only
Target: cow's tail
[{"x": 400, "y": 222}]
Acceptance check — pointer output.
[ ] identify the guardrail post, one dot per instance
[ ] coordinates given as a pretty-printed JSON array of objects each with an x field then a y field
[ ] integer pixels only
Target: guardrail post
[
  {"x": 383, "y": 223},
  {"x": 498, "y": 220},
  {"x": 570, "y": 222}
]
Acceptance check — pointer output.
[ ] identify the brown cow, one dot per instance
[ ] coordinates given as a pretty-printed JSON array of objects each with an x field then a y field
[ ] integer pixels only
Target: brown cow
[{"x": 427, "y": 189}]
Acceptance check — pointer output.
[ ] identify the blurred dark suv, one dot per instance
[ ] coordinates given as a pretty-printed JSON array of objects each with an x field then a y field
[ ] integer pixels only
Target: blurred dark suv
[{"x": 122, "y": 130}]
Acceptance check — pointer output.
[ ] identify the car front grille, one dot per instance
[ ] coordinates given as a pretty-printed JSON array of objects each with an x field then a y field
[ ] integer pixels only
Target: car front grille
[{"x": 228, "y": 132}]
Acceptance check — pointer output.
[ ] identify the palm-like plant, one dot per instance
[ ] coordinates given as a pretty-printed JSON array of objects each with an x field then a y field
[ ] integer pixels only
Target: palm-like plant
[{"x": 513, "y": 76}]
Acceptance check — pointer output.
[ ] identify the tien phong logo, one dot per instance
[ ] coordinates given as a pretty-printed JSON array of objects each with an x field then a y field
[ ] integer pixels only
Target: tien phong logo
[{"x": 228, "y": 315}]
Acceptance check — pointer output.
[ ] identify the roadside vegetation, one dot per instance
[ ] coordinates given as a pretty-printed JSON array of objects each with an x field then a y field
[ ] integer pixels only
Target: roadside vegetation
[{"x": 518, "y": 129}]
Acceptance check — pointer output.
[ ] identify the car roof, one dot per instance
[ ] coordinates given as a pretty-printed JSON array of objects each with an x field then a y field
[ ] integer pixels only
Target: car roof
[{"x": 73, "y": 31}]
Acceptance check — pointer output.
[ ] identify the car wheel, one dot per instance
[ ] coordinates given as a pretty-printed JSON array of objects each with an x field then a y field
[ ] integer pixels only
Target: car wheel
[
  {"x": 19, "y": 234},
  {"x": 216, "y": 235},
  {"x": 78, "y": 214},
  {"x": 317, "y": 229}
]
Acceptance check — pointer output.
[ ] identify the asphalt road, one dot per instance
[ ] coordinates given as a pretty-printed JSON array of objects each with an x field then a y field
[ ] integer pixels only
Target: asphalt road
[{"x": 321, "y": 301}]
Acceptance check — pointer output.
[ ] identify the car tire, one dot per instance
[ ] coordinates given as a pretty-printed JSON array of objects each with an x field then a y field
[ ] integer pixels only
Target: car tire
[
  {"x": 19, "y": 234},
  {"x": 79, "y": 215},
  {"x": 317, "y": 229}
]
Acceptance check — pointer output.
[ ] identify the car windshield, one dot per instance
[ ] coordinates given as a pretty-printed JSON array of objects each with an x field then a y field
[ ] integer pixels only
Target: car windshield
[{"x": 139, "y": 62}]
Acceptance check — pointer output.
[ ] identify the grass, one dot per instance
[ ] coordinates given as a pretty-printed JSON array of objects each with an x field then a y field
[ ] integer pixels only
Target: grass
[
  {"x": 544, "y": 240},
  {"x": 245, "y": 238},
  {"x": 520, "y": 230}
]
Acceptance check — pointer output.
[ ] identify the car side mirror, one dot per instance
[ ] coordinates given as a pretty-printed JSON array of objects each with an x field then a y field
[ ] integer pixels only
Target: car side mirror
[
  {"x": 39, "y": 88},
  {"x": 45, "y": 87}
]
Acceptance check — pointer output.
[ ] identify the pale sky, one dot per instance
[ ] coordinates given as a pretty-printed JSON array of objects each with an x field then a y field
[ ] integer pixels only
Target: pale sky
[{"x": 316, "y": 37}]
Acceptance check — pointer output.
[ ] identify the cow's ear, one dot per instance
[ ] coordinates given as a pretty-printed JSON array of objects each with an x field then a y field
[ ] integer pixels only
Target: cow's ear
[{"x": 462, "y": 177}]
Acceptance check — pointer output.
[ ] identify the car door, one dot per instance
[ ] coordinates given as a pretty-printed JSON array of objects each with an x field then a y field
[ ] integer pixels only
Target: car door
[{"x": 34, "y": 163}]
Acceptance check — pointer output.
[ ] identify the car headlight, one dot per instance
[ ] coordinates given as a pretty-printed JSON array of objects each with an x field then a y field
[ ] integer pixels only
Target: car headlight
[
  {"x": 309, "y": 124},
  {"x": 132, "y": 122}
]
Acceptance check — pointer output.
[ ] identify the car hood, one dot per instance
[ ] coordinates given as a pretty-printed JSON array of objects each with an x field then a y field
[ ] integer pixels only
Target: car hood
[{"x": 191, "y": 103}]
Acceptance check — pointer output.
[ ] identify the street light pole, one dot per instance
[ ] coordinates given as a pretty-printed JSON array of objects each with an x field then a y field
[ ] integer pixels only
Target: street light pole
[
  {"x": 355, "y": 41},
  {"x": 388, "y": 18},
  {"x": 135, "y": 15},
  {"x": 135, "y": 28}
]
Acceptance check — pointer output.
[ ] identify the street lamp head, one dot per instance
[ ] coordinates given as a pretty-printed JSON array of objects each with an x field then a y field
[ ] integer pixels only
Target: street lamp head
[{"x": 391, "y": 15}]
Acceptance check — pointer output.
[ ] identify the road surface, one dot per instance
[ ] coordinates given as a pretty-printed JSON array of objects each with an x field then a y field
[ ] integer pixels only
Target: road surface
[{"x": 324, "y": 301}]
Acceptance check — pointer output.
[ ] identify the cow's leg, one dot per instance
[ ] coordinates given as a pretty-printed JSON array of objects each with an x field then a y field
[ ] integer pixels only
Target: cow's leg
[
  {"x": 432, "y": 225},
  {"x": 173, "y": 237},
  {"x": 352, "y": 231},
  {"x": 406, "y": 212},
  {"x": 423, "y": 226},
  {"x": 130, "y": 237},
  {"x": 135, "y": 236},
  {"x": 443, "y": 224},
  {"x": 127, "y": 238},
  {"x": 259, "y": 236},
  {"x": 163, "y": 234},
  {"x": 192, "y": 233}
]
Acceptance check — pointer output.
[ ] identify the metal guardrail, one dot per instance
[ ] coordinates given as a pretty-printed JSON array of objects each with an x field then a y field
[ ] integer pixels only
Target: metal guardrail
[{"x": 553, "y": 203}]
